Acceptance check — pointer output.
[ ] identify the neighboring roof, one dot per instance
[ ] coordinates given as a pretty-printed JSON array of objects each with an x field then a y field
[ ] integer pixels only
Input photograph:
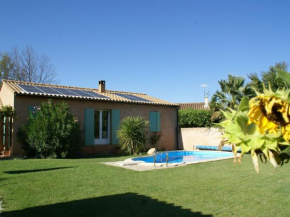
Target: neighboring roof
[
  {"x": 192, "y": 105},
  {"x": 108, "y": 95}
]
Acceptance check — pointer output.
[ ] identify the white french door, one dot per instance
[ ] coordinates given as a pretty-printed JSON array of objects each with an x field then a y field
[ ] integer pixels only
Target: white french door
[{"x": 102, "y": 127}]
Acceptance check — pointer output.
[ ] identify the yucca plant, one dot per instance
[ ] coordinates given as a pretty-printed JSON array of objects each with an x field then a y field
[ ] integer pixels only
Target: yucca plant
[{"x": 132, "y": 134}]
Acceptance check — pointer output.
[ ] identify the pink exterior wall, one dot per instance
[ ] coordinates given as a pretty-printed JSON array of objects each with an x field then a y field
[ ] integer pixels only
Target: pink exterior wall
[{"x": 168, "y": 121}]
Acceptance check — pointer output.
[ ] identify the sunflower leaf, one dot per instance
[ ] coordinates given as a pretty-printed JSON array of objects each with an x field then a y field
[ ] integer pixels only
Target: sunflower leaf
[
  {"x": 244, "y": 105},
  {"x": 255, "y": 161},
  {"x": 285, "y": 155}
]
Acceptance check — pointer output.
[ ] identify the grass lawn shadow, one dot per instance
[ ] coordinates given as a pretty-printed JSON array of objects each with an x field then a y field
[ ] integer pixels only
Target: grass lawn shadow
[
  {"x": 121, "y": 205},
  {"x": 34, "y": 171}
]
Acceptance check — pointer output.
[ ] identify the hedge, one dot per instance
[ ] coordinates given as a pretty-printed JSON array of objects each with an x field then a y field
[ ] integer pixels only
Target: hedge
[{"x": 194, "y": 118}]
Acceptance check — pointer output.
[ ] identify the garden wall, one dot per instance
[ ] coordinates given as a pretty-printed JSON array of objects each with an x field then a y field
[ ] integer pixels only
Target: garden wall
[{"x": 189, "y": 137}]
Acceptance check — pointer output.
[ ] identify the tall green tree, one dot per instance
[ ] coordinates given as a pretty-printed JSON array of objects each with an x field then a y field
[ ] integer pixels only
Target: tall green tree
[
  {"x": 268, "y": 78},
  {"x": 231, "y": 93},
  {"x": 6, "y": 66}
]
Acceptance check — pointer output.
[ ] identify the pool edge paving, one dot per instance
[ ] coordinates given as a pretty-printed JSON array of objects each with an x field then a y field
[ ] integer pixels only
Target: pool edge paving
[{"x": 150, "y": 166}]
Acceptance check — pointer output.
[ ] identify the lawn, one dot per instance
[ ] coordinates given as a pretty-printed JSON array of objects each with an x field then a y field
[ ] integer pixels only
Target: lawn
[{"x": 86, "y": 187}]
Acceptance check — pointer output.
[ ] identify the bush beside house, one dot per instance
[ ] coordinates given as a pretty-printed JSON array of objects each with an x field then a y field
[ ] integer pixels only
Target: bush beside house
[
  {"x": 51, "y": 132},
  {"x": 132, "y": 134}
]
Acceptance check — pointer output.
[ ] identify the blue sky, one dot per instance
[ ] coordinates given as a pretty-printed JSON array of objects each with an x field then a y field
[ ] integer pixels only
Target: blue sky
[{"x": 164, "y": 48}]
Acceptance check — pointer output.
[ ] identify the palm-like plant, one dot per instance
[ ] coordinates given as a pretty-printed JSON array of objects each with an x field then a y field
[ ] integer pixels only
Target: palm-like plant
[
  {"x": 231, "y": 93},
  {"x": 132, "y": 134}
]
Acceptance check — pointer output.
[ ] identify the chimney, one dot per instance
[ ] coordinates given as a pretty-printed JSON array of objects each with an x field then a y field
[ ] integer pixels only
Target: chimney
[
  {"x": 102, "y": 86},
  {"x": 206, "y": 95}
]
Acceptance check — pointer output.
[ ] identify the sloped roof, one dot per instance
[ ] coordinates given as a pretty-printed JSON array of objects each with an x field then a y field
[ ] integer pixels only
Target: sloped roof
[
  {"x": 192, "y": 105},
  {"x": 108, "y": 95}
]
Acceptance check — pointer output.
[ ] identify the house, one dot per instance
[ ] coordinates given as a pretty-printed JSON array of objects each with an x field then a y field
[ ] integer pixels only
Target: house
[
  {"x": 196, "y": 105},
  {"x": 192, "y": 105},
  {"x": 99, "y": 112}
]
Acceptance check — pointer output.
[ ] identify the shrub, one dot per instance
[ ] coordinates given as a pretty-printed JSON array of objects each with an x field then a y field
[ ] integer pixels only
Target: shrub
[
  {"x": 7, "y": 111},
  {"x": 154, "y": 138},
  {"x": 132, "y": 134},
  {"x": 194, "y": 118},
  {"x": 51, "y": 132}
]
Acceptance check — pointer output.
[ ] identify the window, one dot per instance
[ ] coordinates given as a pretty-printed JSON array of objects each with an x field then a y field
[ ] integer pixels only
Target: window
[
  {"x": 33, "y": 110},
  {"x": 102, "y": 127},
  {"x": 154, "y": 121}
]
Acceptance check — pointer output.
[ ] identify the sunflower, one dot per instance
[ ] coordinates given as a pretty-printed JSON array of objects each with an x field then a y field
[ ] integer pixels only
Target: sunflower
[
  {"x": 286, "y": 132},
  {"x": 261, "y": 113},
  {"x": 271, "y": 112}
]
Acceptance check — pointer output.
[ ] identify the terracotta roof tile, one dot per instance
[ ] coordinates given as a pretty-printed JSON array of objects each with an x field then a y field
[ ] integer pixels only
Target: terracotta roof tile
[
  {"x": 108, "y": 95},
  {"x": 193, "y": 105}
]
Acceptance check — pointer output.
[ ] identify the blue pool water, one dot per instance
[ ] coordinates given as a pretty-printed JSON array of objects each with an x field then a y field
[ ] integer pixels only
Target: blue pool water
[{"x": 184, "y": 156}]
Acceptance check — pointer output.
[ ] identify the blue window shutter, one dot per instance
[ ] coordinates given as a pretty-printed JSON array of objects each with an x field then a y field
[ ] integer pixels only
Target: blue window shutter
[
  {"x": 152, "y": 121},
  {"x": 115, "y": 126},
  {"x": 158, "y": 121},
  {"x": 31, "y": 110},
  {"x": 89, "y": 126}
]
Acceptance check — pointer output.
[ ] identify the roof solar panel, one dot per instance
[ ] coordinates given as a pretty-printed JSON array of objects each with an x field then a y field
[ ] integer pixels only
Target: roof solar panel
[
  {"x": 49, "y": 90},
  {"x": 94, "y": 94},
  {"x": 29, "y": 88},
  {"x": 89, "y": 94},
  {"x": 67, "y": 92},
  {"x": 60, "y": 91},
  {"x": 133, "y": 98},
  {"x": 82, "y": 93}
]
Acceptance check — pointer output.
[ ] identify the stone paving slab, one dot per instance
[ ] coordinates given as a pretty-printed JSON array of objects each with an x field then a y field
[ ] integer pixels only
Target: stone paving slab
[{"x": 142, "y": 167}]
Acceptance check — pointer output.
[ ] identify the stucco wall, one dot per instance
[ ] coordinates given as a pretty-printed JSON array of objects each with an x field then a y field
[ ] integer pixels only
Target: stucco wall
[
  {"x": 168, "y": 122},
  {"x": 7, "y": 95},
  {"x": 189, "y": 137}
]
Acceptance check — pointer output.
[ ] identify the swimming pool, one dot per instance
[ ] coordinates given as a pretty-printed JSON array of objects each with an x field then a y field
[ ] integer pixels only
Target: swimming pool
[{"x": 185, "y": 157}]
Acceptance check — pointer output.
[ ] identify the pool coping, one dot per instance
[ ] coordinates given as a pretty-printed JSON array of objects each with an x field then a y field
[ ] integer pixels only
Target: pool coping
[{"x": 141, "y": 166}]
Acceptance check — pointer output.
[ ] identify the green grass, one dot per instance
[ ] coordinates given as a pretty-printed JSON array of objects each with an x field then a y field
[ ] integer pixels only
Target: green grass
[{"x": 85, "y": 187}]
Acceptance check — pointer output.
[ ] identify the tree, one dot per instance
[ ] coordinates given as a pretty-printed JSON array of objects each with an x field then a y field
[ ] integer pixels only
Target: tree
[
  {"x": 6, "y": 66},
  {"x": 132, "y": 134},
  {"x": 268, "y": 77},
  {"x": 26, "y": 65},
  {"x": 231, "y": 93}
]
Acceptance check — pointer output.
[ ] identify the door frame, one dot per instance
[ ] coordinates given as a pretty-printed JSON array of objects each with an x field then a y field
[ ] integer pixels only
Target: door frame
[{"x": 103, "y": 141}]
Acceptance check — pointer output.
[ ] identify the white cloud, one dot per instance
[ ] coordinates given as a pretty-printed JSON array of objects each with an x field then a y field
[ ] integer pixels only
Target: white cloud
[{"x": 204, "y": 85}]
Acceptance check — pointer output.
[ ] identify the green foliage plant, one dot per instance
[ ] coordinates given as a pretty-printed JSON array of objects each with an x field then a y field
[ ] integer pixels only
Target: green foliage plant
[
  {"x": 194, "y": 118},
  {"x": 262, "y": 125},
  {"x": 247, "y": 137},
  {"x": 231, "y": 93},
  {"x": 7, "y": 111},
  {"x": 52, "y": 132},
  {"x": 132, "y": 134},
  {"x": 269, "y": 77}
]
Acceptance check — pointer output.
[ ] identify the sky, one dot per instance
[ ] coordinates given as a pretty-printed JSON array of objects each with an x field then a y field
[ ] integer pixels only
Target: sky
[{"x": 170, "y": 49}]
